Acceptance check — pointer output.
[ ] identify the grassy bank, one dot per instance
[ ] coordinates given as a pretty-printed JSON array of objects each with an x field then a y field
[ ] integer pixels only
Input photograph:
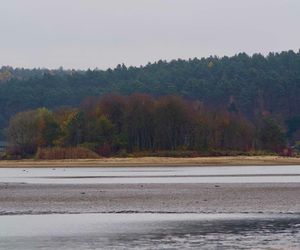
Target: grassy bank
[{"x": 155, "y": 161}]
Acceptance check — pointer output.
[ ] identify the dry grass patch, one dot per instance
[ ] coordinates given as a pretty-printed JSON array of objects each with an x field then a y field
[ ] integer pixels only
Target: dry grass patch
[{"x": 65, "y": 153}]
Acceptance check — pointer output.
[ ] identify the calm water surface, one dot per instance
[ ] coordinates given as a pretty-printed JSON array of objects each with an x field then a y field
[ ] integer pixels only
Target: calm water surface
[
  {"x": 150, "y": 231},
  {"x": 250, "y": 174}
]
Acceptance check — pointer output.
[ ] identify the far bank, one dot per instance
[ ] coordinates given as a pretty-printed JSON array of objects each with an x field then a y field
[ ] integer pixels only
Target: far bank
[{"x": 154, "y": 161}]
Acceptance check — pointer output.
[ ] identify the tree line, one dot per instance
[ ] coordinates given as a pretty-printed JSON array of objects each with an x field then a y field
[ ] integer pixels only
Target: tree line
[
  {"x": 255, "y": 86},
  {"x": 142, "y": 123}
]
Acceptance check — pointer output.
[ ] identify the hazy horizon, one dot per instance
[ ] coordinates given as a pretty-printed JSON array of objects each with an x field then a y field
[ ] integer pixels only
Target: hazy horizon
[
  {"x": 102, "y": 34},
  {"x": 145, "y": 64}
]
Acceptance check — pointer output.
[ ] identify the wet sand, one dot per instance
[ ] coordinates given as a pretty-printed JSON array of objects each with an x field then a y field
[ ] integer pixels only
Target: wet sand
[
  {"x": 155, "y": 161},
  {"x": 149, "y": 198}
]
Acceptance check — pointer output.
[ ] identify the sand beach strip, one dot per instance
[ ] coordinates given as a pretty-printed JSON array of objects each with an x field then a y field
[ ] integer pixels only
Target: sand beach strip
[{"x": 155, "y": 161}]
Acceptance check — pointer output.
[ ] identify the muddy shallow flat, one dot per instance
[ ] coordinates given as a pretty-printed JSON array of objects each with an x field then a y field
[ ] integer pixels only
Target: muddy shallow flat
[
  {"x": 134, "y": 175},
  {"x": 138, "y": 198},
  {"x": 144, "y": 189}
]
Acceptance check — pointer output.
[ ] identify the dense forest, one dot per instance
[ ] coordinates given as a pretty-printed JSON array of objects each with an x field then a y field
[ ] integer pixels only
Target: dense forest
[
  {"x": 137, "y": 123},
  {"x": 254, "y": 87}
]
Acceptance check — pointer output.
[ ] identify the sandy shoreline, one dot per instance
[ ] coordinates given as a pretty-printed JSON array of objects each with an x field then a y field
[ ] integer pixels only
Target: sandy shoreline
[
  {"x": 149, "y": 198},
  {"x": 155, "y": 161}
]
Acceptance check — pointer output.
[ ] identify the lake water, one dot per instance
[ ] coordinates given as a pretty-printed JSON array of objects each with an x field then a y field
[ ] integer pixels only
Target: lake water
[
  {"x": 244, "y": 174},
  {"x": 150, "y": 231}
]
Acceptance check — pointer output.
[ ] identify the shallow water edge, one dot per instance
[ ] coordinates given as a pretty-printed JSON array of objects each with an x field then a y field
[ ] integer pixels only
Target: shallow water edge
[{"x": 144, "y": 231}]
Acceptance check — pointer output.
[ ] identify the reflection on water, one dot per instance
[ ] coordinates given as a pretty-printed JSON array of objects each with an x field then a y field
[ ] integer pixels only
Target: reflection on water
[
  {"x": 250, "y": 174},
  {"x": 150, "y": 231}
]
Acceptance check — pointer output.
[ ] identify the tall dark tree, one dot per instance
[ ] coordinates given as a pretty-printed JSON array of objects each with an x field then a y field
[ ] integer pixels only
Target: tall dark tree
[{"x": 271, "y": 136}]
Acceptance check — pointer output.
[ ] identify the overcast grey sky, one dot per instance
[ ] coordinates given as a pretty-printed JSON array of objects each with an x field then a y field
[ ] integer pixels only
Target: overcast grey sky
[{"x": 103, "y": 33}]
